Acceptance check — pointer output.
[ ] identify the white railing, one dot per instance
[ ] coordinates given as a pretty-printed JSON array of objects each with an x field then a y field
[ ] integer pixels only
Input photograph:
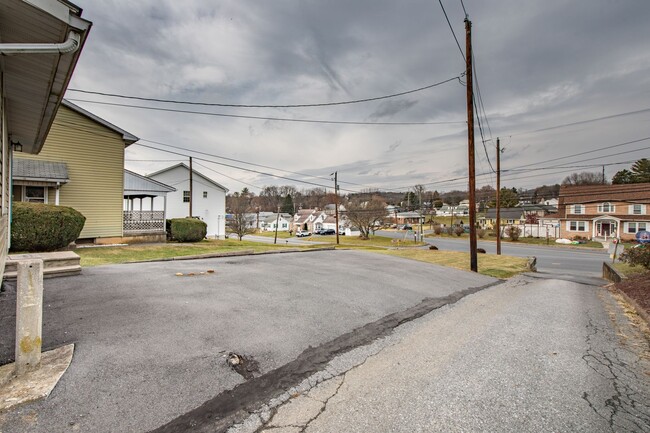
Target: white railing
[{"x": 144, "y": 221}]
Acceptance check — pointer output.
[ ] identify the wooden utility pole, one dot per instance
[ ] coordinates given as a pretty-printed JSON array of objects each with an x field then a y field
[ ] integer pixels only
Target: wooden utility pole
[
  {"x": 336, "y": 204},
  {"x": 191, "y": 194},
  {"x": 473, "y": 258},
  {"x": 277, "y": 222},
  {"x": 498, "y": 197}
]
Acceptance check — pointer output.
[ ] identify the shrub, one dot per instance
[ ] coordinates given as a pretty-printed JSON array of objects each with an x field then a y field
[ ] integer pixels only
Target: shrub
[
  {"x": 437, "y": 229},
  {"x": 450, "y": 231},
  {"x": 513, "y": 232},
  {"x": 459, "y": 230},
  {"x": 637, "y": 255},
  {"x": 38, "y": 227},
  {"x": 481, "y": 233},
  {"x": 187, "y": 229}
]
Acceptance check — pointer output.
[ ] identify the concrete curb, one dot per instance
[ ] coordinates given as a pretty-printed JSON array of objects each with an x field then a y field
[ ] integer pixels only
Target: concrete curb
[
  {"x": 610, "y": 273},
  {"x": 532, "y": 264}
]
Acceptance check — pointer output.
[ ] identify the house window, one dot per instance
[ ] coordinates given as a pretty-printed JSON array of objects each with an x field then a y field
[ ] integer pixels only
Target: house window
[
  {"x": 606, "y": 208},
  {"x": 35, "y": 194},
  {"x": 577, "y": 226},
  {"x": 186, "y": 196},
  {"x": 578, "y": 209},
  {"x": 284, "y": 225},
  {"x": 635, "y": 227},
  {"x": 636, "y": 209},
  {"x": 205, "y": 194}
]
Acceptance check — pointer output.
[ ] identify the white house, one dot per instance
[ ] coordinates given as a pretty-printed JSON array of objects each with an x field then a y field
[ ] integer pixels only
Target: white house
[
  {"x": 283, "y": 222},
  {"x": 208, "y": 197}
]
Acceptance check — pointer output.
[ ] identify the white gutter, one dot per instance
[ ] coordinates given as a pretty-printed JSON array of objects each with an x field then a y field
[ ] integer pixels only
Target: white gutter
[{"x": 71, "y": 45}]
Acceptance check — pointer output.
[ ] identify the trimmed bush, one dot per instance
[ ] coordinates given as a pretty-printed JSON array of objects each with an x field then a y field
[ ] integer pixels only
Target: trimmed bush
[
  {"x": 459, "y": 230},
  {"x": 187, "y": 229},
  {"x": 481, "y": 233},
  {"x": 38, "y": 227},
  {"x": 437, "y": 229},
  {"x": 637, "y": 256}
]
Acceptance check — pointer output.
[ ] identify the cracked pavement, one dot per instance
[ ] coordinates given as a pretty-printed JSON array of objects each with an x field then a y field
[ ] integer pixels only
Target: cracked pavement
[{"x": 526, "y": 356}]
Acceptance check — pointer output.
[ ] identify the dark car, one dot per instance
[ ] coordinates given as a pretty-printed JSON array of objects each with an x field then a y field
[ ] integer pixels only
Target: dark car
[
  {"x": 407, "y": 227},
  {"x": 328, "y": 232}
]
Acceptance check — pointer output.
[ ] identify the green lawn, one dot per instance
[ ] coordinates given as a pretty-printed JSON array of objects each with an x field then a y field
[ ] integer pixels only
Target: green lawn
[
  {"x": 281, "y": 235},
  {"x": 125, "y": 254}
]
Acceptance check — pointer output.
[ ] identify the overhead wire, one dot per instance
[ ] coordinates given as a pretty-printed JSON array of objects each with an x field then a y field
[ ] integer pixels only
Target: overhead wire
[
  {"x": 242, "y": 168},
  {"x": 279, "y": 119},
  {"x": 217, "y": 104},
  {"x": 452, "y": 30}
]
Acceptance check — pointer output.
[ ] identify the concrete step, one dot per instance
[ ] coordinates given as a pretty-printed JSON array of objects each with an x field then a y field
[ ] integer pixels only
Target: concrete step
[{"x": 55, "y": 264}]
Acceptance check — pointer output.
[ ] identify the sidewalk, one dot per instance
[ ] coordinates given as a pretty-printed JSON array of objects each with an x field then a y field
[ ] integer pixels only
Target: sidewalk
[{"x": 525, "y": 356}]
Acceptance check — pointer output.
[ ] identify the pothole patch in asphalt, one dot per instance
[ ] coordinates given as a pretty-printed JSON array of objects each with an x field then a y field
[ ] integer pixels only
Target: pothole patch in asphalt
[{"x": 246, "y": 366}]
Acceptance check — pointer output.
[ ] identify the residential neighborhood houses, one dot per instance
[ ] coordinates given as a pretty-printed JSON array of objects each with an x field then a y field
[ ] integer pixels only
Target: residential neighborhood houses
[
  {"x": 206, "y": 197},
  {"x": 138, "y": 293}
]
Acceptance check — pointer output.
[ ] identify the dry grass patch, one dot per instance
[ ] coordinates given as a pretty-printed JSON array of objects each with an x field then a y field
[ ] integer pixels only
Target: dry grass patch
[{"x": 488, "y": 264}]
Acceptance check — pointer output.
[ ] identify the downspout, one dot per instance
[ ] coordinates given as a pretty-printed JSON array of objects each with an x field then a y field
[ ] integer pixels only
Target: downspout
[{"x": 69, "y": 46}]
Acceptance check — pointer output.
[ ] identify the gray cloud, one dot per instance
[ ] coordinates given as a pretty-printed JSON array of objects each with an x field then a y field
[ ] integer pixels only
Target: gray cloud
[{"x": 539, "y": 64}]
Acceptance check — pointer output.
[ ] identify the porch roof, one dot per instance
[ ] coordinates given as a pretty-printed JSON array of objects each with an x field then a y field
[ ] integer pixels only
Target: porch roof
[
  {"x": 137, "y": 185},
  {"x": 29, "y": 170}
]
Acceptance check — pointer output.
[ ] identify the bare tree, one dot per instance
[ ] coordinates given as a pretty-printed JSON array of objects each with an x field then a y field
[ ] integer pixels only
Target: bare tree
[
  {"x": 364, "y": 214},
  {"x": 238, "y": 223},
  {"x": 584, "y": 178}
]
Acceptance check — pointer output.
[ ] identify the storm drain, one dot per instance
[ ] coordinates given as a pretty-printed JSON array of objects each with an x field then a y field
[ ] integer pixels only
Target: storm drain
[{"x": 247, "y": 367}]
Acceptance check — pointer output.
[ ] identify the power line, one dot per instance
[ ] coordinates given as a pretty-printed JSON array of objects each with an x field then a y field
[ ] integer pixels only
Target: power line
[
  {"x": 452, "y": 30},
  {"x": 229, "y": 177},
  {"x": 241, "y": 168},
  {"x": 279, "y": 119},
  {"x": 216, "y": 104},
  {"x": 589, "y": 151},
  {"x": 464, "y": 10},
  {"x": 581, "y": 122}
]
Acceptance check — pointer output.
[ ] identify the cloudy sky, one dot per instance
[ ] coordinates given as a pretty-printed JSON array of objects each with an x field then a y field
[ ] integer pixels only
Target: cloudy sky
[{"x": 539, "y": 64}]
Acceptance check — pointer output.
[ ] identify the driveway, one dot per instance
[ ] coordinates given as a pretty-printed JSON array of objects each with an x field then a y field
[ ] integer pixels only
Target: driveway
[{"x": 151, "y": 346}]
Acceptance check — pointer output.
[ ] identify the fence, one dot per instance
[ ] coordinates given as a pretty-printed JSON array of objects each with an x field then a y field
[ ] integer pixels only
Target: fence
[{"x": 144, "y": 221}]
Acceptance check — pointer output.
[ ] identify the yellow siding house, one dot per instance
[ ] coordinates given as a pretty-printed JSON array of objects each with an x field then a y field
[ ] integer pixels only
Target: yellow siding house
[{"x": 81, "y": 166}]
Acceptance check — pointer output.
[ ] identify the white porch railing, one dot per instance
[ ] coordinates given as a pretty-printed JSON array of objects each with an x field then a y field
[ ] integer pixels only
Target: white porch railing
[{"x": 145, "y": 221}]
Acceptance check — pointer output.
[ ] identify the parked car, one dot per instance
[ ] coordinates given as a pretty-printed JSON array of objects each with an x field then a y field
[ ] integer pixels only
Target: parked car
[
  {"x": 328, "y": 232},
  {"x": 303, "y": 234},
  {"x": 407, "y": 227}
]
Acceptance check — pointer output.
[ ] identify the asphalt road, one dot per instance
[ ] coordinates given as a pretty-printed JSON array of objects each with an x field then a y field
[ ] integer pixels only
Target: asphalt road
[
  {"x": 552, "y": 259},
  {"x": 151, "y": 346},
  {"x": 527, "y": 356}
]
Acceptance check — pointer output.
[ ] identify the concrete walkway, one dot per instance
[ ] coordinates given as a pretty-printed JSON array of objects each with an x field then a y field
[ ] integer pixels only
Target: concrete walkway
[{"x": 525, "y": 356}]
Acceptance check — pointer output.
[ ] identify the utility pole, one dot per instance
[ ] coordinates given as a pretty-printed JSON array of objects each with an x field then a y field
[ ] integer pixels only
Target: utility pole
[
  {"x": 191, "y": 187},
  {"x": 498, "y": 197},
  {"x": 277, "y": 222},
  {"x": 336, "y": 204},
  {"x": 421, "y": 211},
  {"x": 603, "y": 175},
  {"x": 470, "y": 144}
]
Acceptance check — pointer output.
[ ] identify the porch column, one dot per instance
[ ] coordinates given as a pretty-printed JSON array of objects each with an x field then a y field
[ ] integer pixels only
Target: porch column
[
  {"x": 151, "y": 203},
  {"x": 56, "y": 194}
]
